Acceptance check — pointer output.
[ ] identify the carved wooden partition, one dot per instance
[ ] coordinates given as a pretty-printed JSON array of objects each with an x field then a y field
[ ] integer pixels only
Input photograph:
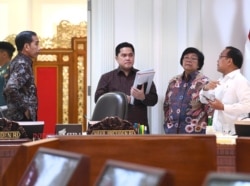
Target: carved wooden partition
[{"x": 61, "y": 76}]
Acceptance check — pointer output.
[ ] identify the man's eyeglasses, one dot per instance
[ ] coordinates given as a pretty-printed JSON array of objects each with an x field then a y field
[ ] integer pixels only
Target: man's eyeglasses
[{"x": 223, "y": 56}]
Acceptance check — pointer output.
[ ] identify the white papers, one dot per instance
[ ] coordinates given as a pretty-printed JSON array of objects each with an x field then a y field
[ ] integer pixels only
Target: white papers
[{"x": 143, "y": 77}]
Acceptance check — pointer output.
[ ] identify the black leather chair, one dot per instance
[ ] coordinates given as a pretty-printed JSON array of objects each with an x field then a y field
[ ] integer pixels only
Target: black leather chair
[{"x": 111, "y": 104}]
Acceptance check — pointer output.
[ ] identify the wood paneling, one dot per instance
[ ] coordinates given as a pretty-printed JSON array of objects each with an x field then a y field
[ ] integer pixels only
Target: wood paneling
[
  {"x": 49, "y": 69},
  {"x": 242, "y": 154}
]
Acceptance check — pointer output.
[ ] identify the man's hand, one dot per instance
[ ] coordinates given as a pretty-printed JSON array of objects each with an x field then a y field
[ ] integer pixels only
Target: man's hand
[
  {"x": 138, "y": 93},
  {"x": 216, "y": 104},
  {"x": 211, "y": 85},
  {"x": 27, "y": 114}
]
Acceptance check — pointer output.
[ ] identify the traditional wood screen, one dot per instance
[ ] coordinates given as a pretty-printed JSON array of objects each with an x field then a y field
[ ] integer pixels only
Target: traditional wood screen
[{"x": 60, "y": 76}]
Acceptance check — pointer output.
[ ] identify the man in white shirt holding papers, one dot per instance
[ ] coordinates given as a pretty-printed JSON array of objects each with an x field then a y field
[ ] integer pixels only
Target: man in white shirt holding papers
[
  {"x": 122, "y": 79},
  {"x": 230, "y": 95}
]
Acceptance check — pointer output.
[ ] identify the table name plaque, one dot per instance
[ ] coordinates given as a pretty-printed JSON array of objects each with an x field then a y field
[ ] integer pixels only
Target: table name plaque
[
  {"x": 10, "y": 135},
  {"x": 113, "y": 132}
]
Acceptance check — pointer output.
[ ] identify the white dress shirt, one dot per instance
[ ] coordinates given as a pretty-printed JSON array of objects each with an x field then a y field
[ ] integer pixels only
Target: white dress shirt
[{"x": 234, "y": 93}]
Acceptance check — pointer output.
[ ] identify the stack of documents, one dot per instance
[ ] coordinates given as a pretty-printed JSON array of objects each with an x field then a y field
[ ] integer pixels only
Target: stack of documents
[{"x": 143, "y": 77}]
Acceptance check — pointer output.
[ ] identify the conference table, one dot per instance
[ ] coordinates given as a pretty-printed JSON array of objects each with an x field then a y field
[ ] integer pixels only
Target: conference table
[{"x": 225, "y": 152}]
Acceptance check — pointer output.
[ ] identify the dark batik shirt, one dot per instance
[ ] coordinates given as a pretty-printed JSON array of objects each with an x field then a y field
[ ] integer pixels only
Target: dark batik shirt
[
  {"x": 116, "y": 80},
  {"x": 183, "y": 111},
  {"x": 4, "y": 73},
  {"x": 20, "y": 91}
]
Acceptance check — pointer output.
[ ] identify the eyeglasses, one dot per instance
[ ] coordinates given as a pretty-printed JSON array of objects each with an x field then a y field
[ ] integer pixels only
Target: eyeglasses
[{"x": 191, "y": 59}]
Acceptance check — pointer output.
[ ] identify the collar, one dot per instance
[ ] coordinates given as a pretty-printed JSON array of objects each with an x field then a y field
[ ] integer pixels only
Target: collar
[
  {"x": 232, "y": 74},
  {"x": 132, "y": 71},
  {"x": 5, "y": 65},
  {"x": 190, "y": 76}
]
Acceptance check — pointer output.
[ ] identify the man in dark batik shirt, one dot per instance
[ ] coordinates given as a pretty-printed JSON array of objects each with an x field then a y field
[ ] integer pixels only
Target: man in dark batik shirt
[
  {"x": 20, "y": 90},
  {"x": 122, "y": 79}
]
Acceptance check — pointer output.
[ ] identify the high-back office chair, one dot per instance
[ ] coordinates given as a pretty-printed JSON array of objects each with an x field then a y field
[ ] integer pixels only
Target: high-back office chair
[{"x": 111, "y": 104}]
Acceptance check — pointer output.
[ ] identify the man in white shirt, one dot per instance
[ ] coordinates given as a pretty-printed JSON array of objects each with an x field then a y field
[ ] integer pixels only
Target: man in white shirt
[{"x": 229, "y": 96}]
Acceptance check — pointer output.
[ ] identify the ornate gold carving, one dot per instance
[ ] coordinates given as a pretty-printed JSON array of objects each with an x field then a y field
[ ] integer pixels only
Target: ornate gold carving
[
  {"x": 47, "y": 58},
  {"x": 65, "y": 94},
  {"x": 80, "y": 46},
  {"x": 65, "y": 58},
  {"x": 65, "y": 32},
  {"x": 11, "y": 38},
  {"x": 80, "y": 68}
]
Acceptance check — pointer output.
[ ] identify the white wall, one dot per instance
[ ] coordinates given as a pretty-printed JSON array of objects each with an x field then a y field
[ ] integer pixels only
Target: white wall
[
  {"x": 42, "y": 16},
  {"x": 224, "y": 22},
  {"x": 160, "y": 30},
  {"x": 13, "y": 17}
]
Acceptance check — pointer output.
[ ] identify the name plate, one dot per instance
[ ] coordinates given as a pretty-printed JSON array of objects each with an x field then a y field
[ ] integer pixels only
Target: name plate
[
  {"x": 10, "y": 135},
  {"x": 113, "y": 132}
]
